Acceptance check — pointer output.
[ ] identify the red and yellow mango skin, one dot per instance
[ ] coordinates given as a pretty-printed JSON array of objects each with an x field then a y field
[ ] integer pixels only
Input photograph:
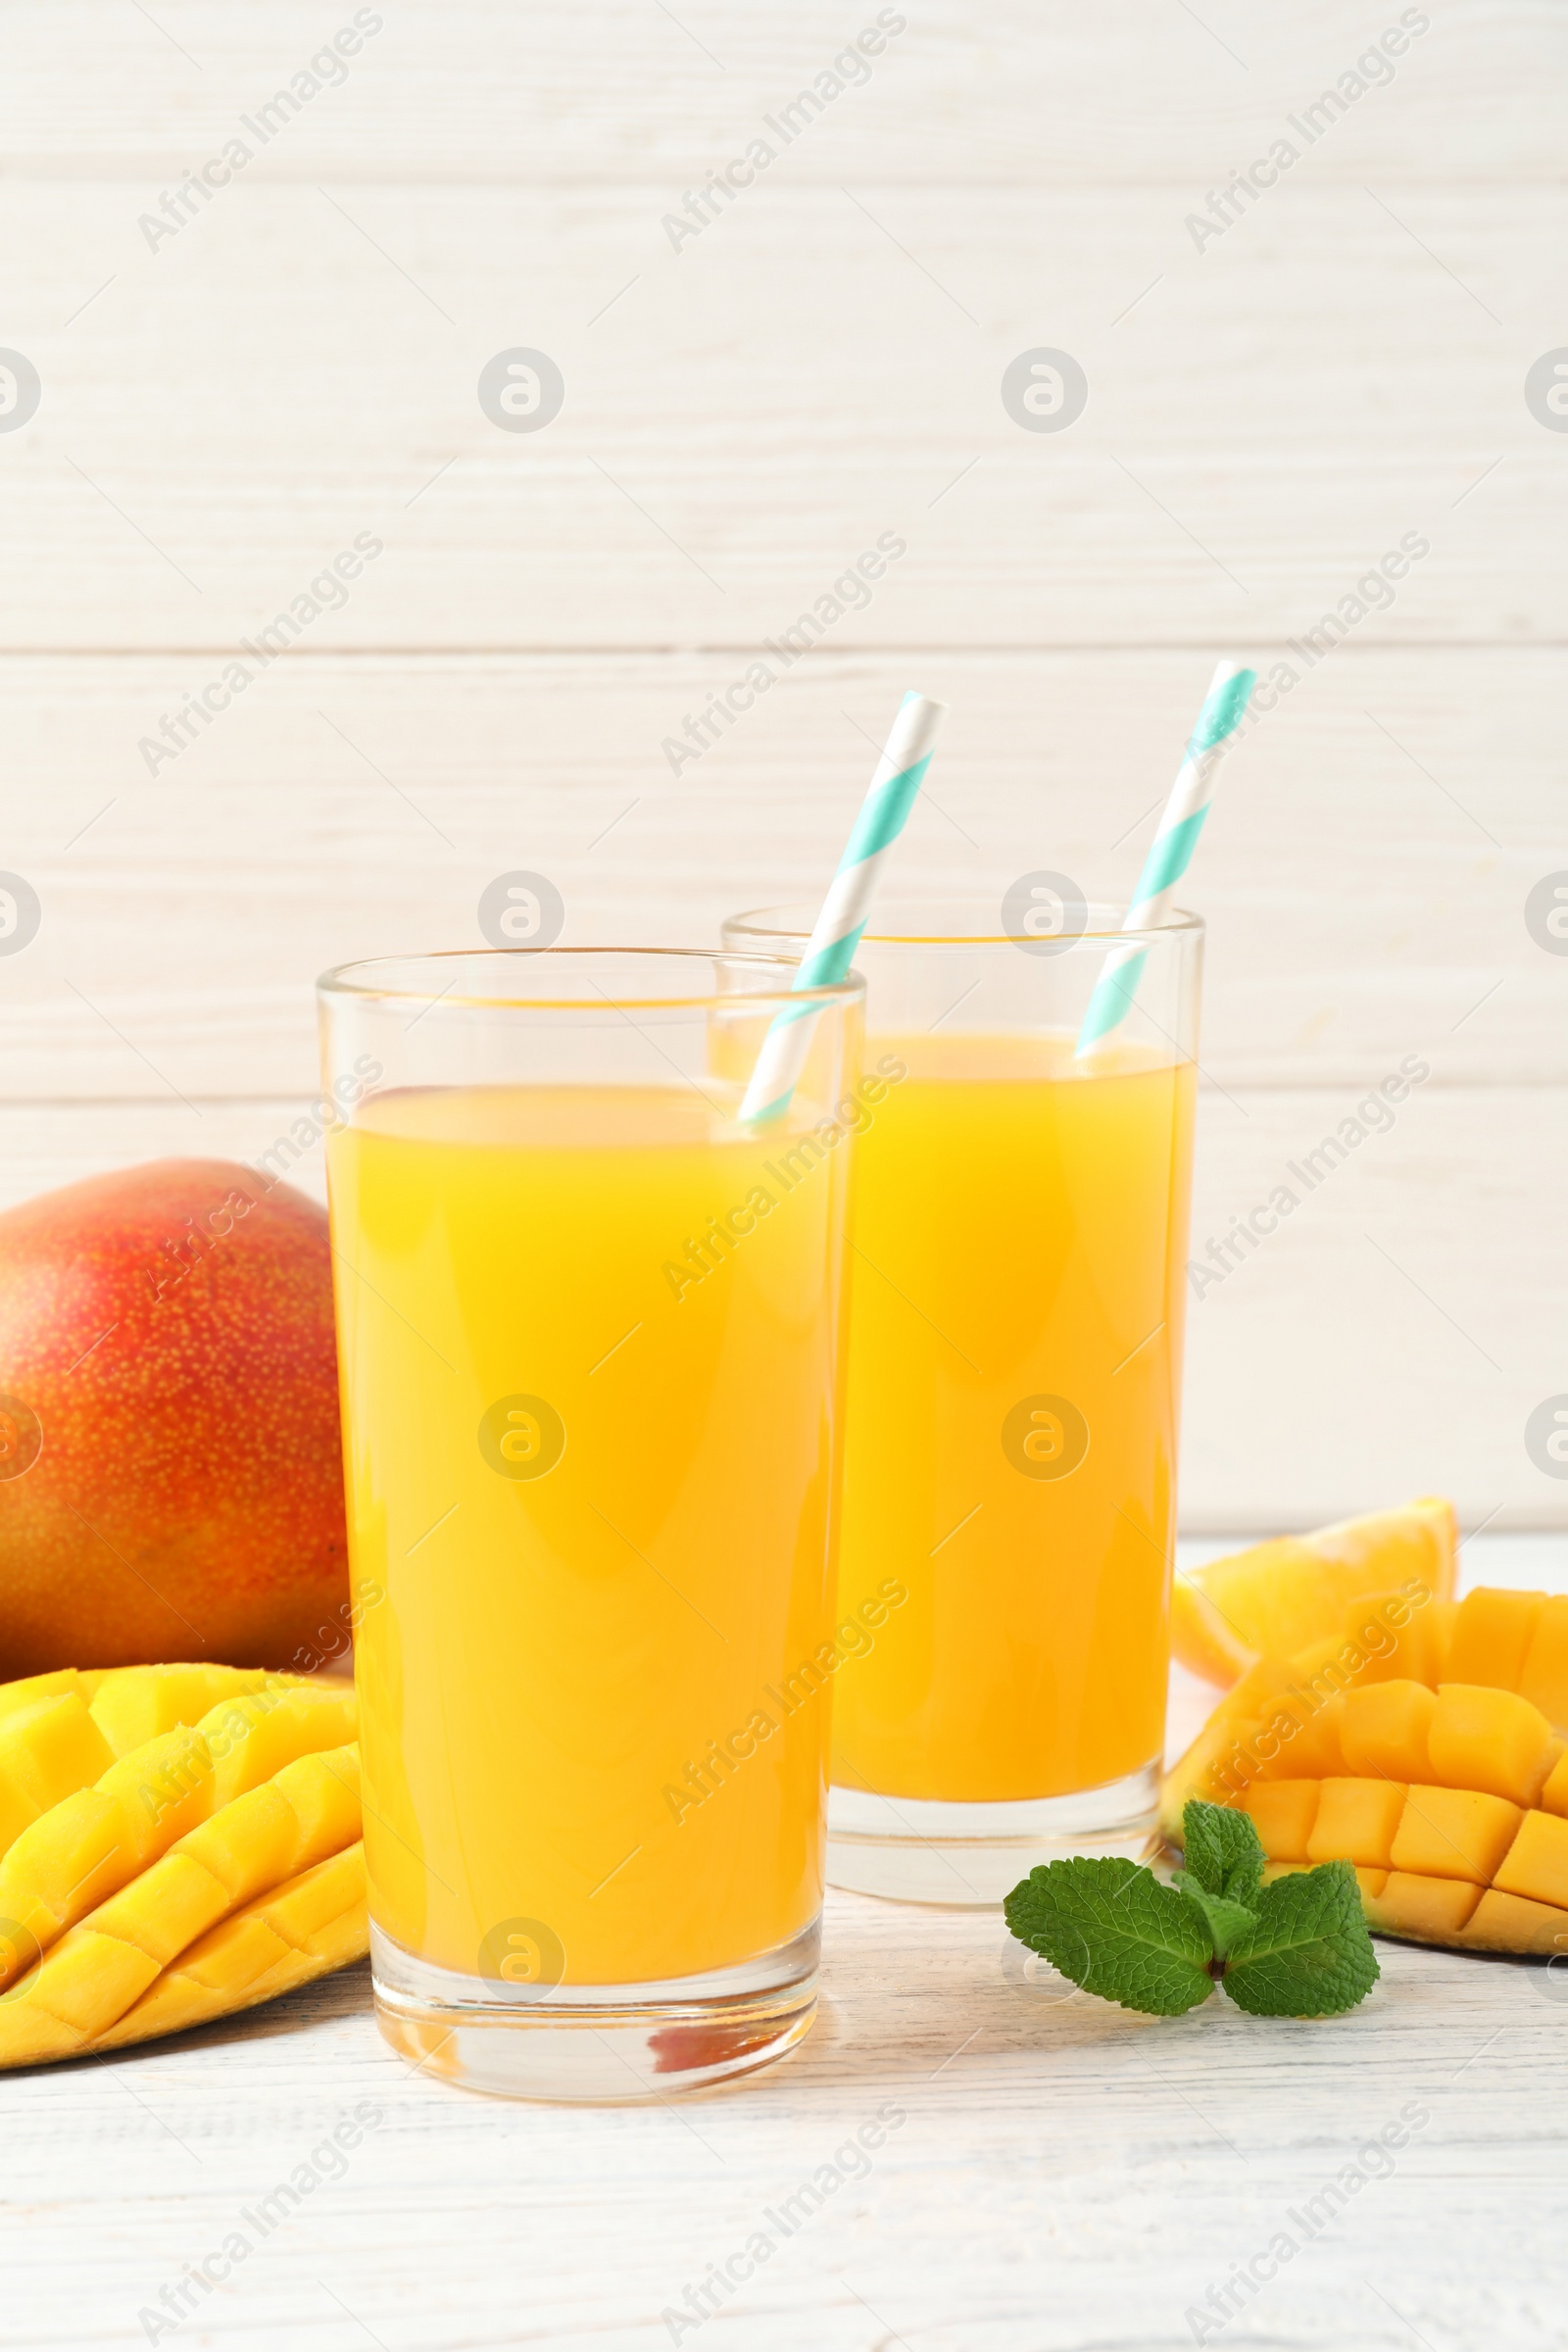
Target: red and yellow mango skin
[{"x": 170, "y": 1471}]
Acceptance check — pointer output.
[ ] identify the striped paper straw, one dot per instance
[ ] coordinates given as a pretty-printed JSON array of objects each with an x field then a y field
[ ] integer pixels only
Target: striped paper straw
[
  {"x": 836, "y": 934},
  {"x": 1170, "y": 853}
]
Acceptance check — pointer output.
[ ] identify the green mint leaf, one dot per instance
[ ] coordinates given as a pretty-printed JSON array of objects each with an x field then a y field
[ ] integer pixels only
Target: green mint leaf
[
  {"x": 1224, "y": 1852},
  {"x": 1308, "y": 1954},
  {"x": 1228, "y": 1923},
  {"x": 1112, "y": 1927}
]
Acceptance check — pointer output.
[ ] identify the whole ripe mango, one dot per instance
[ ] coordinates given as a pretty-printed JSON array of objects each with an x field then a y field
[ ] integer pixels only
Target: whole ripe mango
[{"x": 170, "y": 1474}]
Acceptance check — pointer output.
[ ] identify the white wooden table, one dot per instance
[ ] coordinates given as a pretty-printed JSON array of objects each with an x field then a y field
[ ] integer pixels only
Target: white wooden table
[{"x": 1052, "y": 2171}]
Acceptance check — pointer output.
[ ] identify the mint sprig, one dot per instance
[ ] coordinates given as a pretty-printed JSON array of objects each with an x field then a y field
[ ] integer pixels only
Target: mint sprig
[{"x": 1298, "y": 1947}]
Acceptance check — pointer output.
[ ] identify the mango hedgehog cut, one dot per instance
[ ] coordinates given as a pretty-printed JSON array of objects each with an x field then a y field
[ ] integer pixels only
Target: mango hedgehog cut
[
  {"x": 1427, "y": 1747},
  {"x": 176, "y": 1842}
]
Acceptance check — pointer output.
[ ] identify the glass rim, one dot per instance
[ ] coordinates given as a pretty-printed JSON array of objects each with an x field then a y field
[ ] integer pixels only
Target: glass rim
[
  {"x": 884, "y": 930},
  {"x": 354, "y": 981}
]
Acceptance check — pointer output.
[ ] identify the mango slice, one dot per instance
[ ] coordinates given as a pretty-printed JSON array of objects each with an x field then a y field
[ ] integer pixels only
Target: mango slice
[
  {"x": 1275, "y": 1599},
  {"x": 1444, "y": 1783},
  {"x": 202, "y": 1867}
]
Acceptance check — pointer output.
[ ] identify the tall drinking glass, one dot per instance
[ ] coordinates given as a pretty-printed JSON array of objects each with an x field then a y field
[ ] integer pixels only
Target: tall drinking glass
[
  {"x": 1015, "y": 1345},
  {"x": 590, "y": 1338}
]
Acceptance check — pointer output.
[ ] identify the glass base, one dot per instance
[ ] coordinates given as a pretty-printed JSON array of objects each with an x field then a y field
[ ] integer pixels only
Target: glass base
[
  {"x": 916, "y": 1850},
  {"x": 605, "y": 2044}
]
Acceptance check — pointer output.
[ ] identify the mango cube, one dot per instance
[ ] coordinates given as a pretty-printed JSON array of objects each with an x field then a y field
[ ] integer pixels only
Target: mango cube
[
  {"x": 68, "y": 1860},
  {"x": 252, "y": 1739},
  {"x": 1431, "y": 1910},
  {"x": 1283, "y": 1813},
  {"x": 166, "y": 1908},
  {"x": 1402, "y": 1639},
  {"x": 1492, "y": 1739},
  {"x": 48, "y": 1750},
  {"x": 88, "y": 1981},
  {"x": 1356, "y": 1821},
  {"x": 1304, "y": 1734},
  {"x": 248, "y": 1845},
  {"x": 1543, "y": 1677},
  {"x": 166, "y": 1786},
  {"x": 1492, "y": 1637},
  {"x": 1554, "y": 1796},
  {"x": 235, "y": 1954},
  {"x": 30, "y": 1688},
  {"x": 1385, "y": 1728},
  {"x": 322, "y": 1793},
  {"x": 1536, "y": 1863},
  {"x": 1455, "y": 1834},
  {"x": 316, "y": 1922},
  {"x": 1512, "y": 1923},
  {"x": 133, "y": 1705}
]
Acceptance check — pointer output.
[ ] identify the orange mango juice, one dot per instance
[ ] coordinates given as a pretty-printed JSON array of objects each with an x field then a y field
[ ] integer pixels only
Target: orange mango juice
[
  {"x": 1014, "y": 1368},
  {"x": 590, "y": 1360}
]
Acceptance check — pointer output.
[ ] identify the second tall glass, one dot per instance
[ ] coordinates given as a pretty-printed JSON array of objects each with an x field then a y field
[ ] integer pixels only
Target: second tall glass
[{"x": 1015, "y": 1346}]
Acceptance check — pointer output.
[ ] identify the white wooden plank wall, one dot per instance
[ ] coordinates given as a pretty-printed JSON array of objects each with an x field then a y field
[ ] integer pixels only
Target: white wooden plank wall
[{"x": 223, "y": 411}]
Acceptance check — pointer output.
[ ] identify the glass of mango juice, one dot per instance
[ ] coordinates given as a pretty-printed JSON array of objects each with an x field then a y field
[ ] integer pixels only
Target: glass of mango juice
[
  {"x": 591, "y": 1359},
  {"x": 1014, "y": 1378}
]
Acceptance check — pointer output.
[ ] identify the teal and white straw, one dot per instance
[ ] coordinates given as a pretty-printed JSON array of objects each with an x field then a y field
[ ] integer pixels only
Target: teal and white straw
[
  {"x": 836, "y": 933},
  {"x": 1171, "y": 851}
]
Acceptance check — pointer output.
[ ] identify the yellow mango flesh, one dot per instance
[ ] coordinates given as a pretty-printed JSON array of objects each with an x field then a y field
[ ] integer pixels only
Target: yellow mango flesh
[
  {"x": 1356, "y": 1821},
  {"x": 1395, "y": 1640},
  {"x": 252, "y": 1739},
  {"x": 1435, "y": 1909},
  {"x": 1511, "y": 1922},
  {"x": 167, "y": 1909},
  {"x": 229, "y": 1849},
  {"x": 1455, "y": 1834},
  {"x": 1544, "y": 1677},
  {"x": 318, "y": 1921},
  {"x": 1447, "y": 1791},
  {"x": 34, "y": 1687},
  {"x": 249, "y": 1845},
  {"x": 1283, "y": 1814},
  {"x": 48, "y": 1749},
  {"x": 323, "y": 1794},
  {"x": 1491, "y": 1636},
  {"x": 134, "y": 1703},
  {"x": 1535, "y": 1864},
  {"x": 1277, "y": 1597},
  {"x": 1491, "y": 1739},
  {"x": 1384, "y": 1729}
]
